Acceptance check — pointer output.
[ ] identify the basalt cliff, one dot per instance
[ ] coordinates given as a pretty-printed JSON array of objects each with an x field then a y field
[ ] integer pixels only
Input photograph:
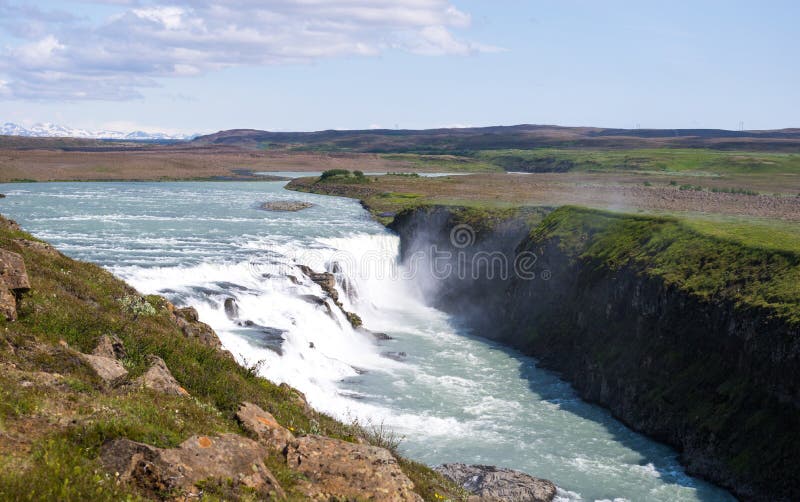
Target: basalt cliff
[{"x": 690, "y": 339}]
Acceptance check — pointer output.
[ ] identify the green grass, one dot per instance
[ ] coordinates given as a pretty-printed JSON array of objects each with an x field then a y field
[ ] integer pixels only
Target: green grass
[
  {"x": 718, "y": 261},
  {"x": 660, "y": 160}
]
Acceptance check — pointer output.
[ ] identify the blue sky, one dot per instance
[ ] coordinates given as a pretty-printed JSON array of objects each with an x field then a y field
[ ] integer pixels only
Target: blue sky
[{"x": 201, "y": 65}]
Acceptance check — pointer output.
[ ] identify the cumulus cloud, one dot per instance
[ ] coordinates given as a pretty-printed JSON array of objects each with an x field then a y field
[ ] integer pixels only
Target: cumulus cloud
[{"x": 64, "y": 56}]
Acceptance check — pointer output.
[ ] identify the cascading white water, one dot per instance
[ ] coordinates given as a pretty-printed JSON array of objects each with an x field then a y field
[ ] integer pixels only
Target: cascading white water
[
  {"x": 454, "y": 396},
  {"x": 319, "y": 347}
]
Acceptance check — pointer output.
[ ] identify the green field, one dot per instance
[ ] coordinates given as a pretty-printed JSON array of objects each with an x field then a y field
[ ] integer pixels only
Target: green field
[{"x": 660, "y": 160}]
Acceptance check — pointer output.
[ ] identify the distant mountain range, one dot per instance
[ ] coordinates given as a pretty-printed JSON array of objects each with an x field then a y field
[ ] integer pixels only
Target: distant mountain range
[
  {"x": 464, "y": 141},
  {"x": 48, "y": 130}
]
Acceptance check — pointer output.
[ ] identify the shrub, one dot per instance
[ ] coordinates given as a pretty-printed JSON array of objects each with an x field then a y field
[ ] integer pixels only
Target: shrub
[
  {"x": 330, "y": 173},
  {"x": 358, "y": 174},
  {"x": 137, "y": 306}
]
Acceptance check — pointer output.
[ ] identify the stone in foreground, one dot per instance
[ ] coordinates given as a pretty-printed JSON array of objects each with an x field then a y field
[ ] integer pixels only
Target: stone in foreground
[
  {"x": 189, "y": 321},
  {"x": 110, "y": 371},
  {"x": 159, "y": 379},
  {"x": 230, "y": 459},
  {"x": 264, "y": 426},
  {"x": 13, "y": 282},
  {"x": 111, "y": 347},
  {"x": 494, "y": 484},
  {"x": 337, "y": 470}
]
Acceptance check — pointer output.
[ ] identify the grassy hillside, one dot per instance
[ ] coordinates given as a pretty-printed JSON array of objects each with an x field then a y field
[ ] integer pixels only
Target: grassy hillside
[{"x": 55, "y": 413}]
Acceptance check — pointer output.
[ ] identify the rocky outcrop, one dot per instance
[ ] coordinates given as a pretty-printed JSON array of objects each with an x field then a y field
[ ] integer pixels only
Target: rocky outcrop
[
  {"x": 231, "y": 308},
  {"x": 228, "y": 459},
  {"x": 263, "y": 426},
  {"x": 285, "y": 205},
  {"x": 13, "y": 283},
  {"x": 188, "y": 321},
  {"x": 158, "y": 378},
  {"x": 110, "y": 346},
  {"x": 104, "y": 360},
  {"x": 493, "y": 484},
  {"x": 327, "y": 281},
  {"x": 336, "y": 470},
  {"x": 109, "y": 370}
]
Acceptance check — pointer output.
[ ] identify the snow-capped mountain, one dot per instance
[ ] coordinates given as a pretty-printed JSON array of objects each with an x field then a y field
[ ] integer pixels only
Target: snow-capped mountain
[{"x": 48, "y": 130}]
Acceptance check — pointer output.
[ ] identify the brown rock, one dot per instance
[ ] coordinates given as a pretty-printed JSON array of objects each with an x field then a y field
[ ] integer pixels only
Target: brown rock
[
  {"x": 336, "y": 469},
  {"x": 228, "y": 459},
  {"x": 111, "y": 347},
  {"x": 13, "y": 282},
  {"x": 264, "y": 426},
  {"x": 110, "y": 371},
  {"x": 493, "y": 484},
  {"x": 12, "y": 271},
  {"x": 8, "y": 303},
  {"x": 327, "y": 281},
  {"x": 189, "y": 321},
  {"x": 159, "y": 379},
  {"x": 41, "y": 247},
  {"x": 188, "y": 313}
]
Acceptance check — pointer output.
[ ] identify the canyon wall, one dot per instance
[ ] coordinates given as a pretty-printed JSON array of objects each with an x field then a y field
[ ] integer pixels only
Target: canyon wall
[{"x": 689, "y": 339}]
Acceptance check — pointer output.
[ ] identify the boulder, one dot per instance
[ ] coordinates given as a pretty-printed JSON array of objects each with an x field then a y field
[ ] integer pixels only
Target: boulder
[
  {"x": 264, "y": 426},
  {"x": 110, "y": 347},
  {"x": 12, "y": 271},
  {"x": 159, "y": 379},
  {"x": 229, "y": 459},
  {"x": 189, "y": 321},
  {"x": 231, "y": 308},
  {"x": 188, "y": 313},
  {"x": 335, "y": 470},
  {"x": 110, "y": 371},
  {"x": 494, "y": 484},
  {"x": 13, "y": 283}
]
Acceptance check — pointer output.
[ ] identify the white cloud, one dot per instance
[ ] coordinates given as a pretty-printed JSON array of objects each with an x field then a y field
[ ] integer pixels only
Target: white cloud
[
  {"x": 182, "y": 38},
  {"x": 168, "y": 17},
  {"x": 38, "y": 53}
]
